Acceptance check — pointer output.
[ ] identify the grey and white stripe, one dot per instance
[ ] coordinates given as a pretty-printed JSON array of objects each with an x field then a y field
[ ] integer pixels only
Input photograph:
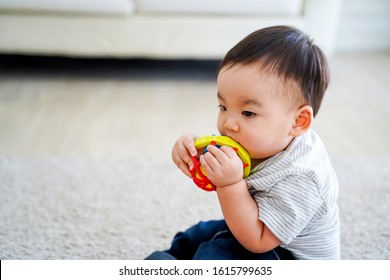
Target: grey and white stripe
[{"x": 296, "y": 192}]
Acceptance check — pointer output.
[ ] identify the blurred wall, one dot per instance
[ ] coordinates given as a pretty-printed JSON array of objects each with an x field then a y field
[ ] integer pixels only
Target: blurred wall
[{"x": 364, "y": 25}]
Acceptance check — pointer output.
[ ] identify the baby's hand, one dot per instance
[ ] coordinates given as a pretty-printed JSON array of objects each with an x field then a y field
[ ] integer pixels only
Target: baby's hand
[
  {"x": 183, "y": 151},
  {"x": 223, "y": 166}
]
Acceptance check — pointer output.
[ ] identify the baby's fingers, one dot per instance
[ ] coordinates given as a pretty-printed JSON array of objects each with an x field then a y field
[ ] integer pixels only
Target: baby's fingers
[
  {"x": 188, "y": 143},
  {"x": 181, "y": 163},
  {"x": 182, "y": 153}
]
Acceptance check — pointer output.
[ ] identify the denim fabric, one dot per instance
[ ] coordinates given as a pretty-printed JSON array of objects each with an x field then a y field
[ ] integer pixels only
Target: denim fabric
[{"x": 212, "y": 240}]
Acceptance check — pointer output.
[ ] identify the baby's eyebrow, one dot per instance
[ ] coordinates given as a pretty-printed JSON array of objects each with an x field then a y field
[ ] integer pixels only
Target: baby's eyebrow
[
  {"x": 219, "y": 96},
  {"x": 248, "y": 101},
  {"x": 252, "y": 102}
]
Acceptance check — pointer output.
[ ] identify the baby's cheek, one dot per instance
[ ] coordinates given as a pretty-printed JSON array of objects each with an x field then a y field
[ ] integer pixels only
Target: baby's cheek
[
  {"x": 255, "y": 153},
  {"x": 250, "y": 148}
]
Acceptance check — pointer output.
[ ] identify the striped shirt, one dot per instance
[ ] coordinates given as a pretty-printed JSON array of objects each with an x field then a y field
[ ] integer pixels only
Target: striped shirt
[{"x": 296, "y": 192}]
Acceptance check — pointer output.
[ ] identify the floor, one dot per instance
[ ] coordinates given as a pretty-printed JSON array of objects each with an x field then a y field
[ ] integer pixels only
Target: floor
[{"x": 100, "y": 108}]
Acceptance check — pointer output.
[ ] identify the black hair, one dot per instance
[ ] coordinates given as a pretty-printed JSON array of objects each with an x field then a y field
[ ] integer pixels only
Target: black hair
[{"x": 288, "y": 53}]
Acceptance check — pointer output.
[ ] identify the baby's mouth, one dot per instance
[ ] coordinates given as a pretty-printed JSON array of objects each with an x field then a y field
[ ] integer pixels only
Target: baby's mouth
[
  {"x": 239, "y": 143},
  {"x": 233, "y": 139}
]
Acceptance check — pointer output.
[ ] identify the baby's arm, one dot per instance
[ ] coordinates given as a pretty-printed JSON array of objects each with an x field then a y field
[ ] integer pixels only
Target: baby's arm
[
  {"x": 183, "y": 151},
  {"x": 224, "y": 169}
]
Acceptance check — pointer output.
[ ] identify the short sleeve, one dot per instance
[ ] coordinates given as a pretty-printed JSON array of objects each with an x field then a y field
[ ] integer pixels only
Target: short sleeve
[{"x": 289, "y": 205}]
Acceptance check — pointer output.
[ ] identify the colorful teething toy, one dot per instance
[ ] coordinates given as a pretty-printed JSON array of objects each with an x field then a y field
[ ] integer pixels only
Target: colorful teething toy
[{"x": 199, "y": 175}]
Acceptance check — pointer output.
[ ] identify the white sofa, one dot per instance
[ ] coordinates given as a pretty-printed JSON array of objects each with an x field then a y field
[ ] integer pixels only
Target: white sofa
[{"x": 169, "y": 29}]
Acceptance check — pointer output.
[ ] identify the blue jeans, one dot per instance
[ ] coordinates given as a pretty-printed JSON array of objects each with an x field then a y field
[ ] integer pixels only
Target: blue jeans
[{"x": 213, "y": 240}]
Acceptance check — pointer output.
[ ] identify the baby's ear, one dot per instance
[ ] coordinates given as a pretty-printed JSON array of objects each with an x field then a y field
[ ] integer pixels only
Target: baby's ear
[{"x": 303, "y": 120}]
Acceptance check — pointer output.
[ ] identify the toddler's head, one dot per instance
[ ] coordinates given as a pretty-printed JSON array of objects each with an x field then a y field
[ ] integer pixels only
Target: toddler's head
[
  {"x": 270, "y": 87},
  {"x": 289, "y": 54}
]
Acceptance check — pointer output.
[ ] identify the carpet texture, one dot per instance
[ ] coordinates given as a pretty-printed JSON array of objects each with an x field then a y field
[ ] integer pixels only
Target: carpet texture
[{"x": 125, "y": 208}]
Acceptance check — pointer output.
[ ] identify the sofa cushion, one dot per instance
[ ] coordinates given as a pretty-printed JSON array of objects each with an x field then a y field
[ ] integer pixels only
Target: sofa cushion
[
  {"x": 283, "y": 7},
  {"x": 118, "y": 7}
]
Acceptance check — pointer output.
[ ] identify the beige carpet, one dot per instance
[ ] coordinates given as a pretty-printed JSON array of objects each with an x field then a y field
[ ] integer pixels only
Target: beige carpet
[{"x": 124, "y": 208}]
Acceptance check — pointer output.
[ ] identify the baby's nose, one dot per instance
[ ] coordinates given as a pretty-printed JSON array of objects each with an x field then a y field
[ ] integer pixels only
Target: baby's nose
[{"x": 231, "y": 124}]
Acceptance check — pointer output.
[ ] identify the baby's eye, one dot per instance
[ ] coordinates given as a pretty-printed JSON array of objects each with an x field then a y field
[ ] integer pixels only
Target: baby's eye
[
  {"x": 222, "y": 108},
  {"x": 248, "y": 114}
]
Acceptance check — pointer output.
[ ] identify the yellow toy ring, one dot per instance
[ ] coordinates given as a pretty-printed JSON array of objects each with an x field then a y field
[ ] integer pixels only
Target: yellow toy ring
[{"x": 199, "y": 175}]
